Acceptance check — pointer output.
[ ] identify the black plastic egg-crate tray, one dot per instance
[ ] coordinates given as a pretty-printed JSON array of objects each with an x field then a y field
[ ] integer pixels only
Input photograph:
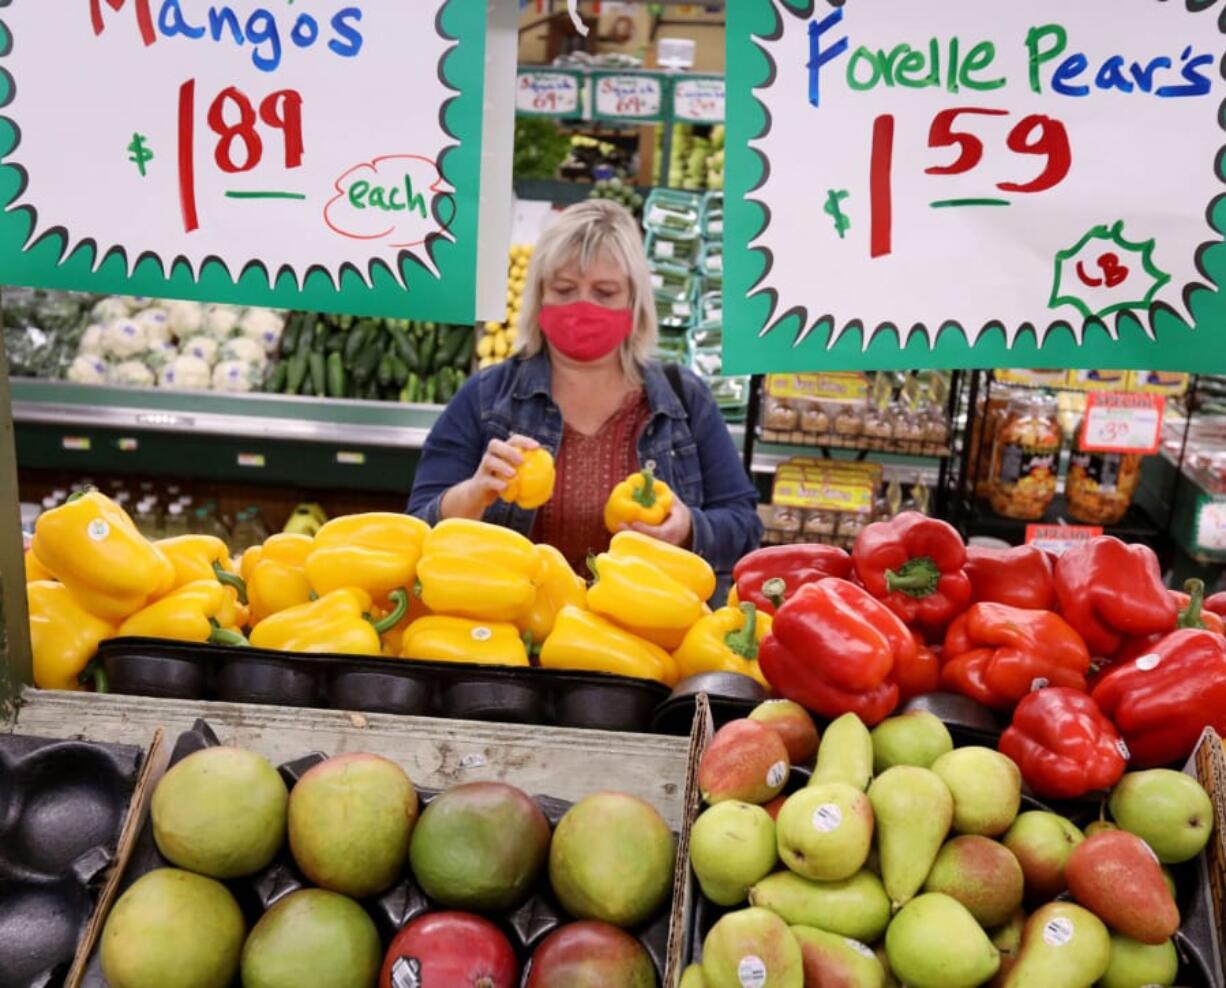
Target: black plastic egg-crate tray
[
  {"x": 525, "y": 926},
  {"x": 62, "y": 809},
  {"x": 970, "y": 723},
  {"x": 561, "y": 698}
]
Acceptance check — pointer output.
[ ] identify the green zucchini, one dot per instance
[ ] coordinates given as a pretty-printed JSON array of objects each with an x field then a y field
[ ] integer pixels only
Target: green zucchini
[
  {"x": 297, "y": 373},
  {"x": 289, "y": 336},
  {"x": 431, "y": 391},
  {"x": 320, "y": 336},
  {"x": 385, "y": 373},
  {"x": 400, "y": 370},
  {"x": 276, "y": 380},
  {"x": 319, "y": 377},
  {"x": 354, "y": 344},
  {"x": 363, "y": 369},
  {"x": 429, "y": 346},
  {"x": 336, "y": 376}
]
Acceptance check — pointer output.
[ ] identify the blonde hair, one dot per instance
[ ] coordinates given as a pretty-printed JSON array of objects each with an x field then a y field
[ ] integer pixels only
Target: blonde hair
[{"x": 582, "y": 233}]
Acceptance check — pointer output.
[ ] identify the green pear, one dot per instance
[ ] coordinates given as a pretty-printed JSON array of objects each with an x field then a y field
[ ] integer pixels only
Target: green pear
[
  {"x": 751, "y": 947},
  {"x": 1063, "y": 945},
  {"x": 986, "y": 786},
  {"x": 856, "y": 907},
  {"x": 981, "y": 874},
  {"x": 1007, "y": 938},
  {"x": 934, "y": 942},
  {"x": 825, "y": 831},
  {"x": 830, "y": 959},
  {"x": 732, "y": 846},
  {"x": 1099, "y": 826},
  {"x": 845, "y": 754},
  {"x": 915, "y": 738},
  {"x": 692, "y": 977},
  {"x": 913, "y": 809},
  {"x": 1042, "y": 843},
  {"x": 1168, "y": 810},
  {"x": 890, "y": 980},
  {"x": 1139, "y": 965}
]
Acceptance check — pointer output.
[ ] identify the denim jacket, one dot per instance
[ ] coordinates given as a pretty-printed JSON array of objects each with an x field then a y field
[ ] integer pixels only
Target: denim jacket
[{"x": 693, "y": 454}]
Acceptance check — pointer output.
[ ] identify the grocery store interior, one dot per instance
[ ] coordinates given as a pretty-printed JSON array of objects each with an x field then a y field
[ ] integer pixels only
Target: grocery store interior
[{"x": 997, "y": 594}]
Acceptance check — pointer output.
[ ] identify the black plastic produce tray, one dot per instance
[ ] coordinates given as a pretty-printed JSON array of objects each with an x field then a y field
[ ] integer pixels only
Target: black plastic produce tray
[
  {"x": 526, "y": 926},
  {"x": 62, "y": 809},
  {"x": 1194, "y": 941},
  {"x": 177, "y": 670}
]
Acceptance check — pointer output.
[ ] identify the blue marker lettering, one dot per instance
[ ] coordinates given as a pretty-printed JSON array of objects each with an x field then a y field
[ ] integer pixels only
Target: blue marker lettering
[
  {"x": 1145, "y": 76},
  {"x": 306, "y": 30},
  {"x": 171, "y": 21},
  {"x": 818, "y": 57},
  {"x": 1197, "y": 84},
  {"x": 220, "y": 19},
  {"x": 261, "y": 28},
  {"x": 1111, "y": 75},
  {"x": 353, "y": 37},
  {"x": 1068, "y": 70}
]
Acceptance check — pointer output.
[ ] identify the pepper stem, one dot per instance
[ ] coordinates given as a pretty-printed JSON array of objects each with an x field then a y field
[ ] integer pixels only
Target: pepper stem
[
  {"x": 591, "y": 567},
  {"x": 223, "y": 636},
  {"x": 95, "y": 674},
  {"x": 745, "y": 641},
  {"x": 233, "y": 580},
  {"x": 1190, "y": 616},
  {"x": 646, "y": 495},
  {"x": 400, "y": 607},
  {"x": 916, "y": 577},
  {"x": 775, "y": 590}
]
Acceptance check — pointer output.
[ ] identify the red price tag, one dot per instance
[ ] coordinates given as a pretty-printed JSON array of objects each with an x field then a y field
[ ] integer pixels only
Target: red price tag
[
  {"x": 1122, "y": 423},
  {"x": 1058, "y": 539}
]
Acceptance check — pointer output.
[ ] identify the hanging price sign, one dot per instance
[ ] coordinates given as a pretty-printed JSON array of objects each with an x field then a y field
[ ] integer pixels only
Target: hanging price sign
[
  {"x": 1117, "y": 422},
  {"x": 321, "y": 156},
  {"x": 699, "y": 99},
  {"x": 1058, "y": 539},
  {"x": 635, "y": 96},
  {"x": 549, "y": 93}
]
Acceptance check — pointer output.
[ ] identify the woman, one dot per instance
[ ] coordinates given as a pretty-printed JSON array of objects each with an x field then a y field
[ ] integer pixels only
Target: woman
[{"x": 582, "y": 384}]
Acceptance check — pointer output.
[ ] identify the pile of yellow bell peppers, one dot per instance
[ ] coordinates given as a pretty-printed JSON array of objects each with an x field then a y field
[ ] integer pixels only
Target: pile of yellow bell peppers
[{"x": 379, "y": 584}]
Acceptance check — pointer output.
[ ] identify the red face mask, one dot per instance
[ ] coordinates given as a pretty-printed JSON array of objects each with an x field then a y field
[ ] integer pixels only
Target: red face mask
[{"x": 585, "y": 331}]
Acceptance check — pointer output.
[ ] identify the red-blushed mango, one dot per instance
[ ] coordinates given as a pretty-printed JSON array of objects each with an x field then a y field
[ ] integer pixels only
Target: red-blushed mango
[{"x": 590, "y": 955}]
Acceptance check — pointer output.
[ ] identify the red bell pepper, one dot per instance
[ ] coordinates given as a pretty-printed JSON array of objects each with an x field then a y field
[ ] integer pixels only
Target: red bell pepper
[
  {"x": 996, "y": 654},
  {"x": 919, "y": 675},
  {"x": 784, "y": 569},
  {"x": 1109, "y": 591},
  {"x": 1217, "y": 604},
  {"x": 1191, "y": 615},
  {"x": 1163, "y": 700},
  {"x": 832, "y": 648},
  {"x": 1020, "y": 576},
  {"x": 1064, "y": 745},
  {"x": 915, "y": 565}
]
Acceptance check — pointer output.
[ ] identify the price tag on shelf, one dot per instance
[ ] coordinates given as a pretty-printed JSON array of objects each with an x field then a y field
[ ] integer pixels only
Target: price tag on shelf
[
  {"x": 1118, "y": 422},
  {"x": 628, "y": 96},
  {"x": 1058, "y": 539},
  {"x": 699, "y": 100},
  {"x": 541, "y": 93}
]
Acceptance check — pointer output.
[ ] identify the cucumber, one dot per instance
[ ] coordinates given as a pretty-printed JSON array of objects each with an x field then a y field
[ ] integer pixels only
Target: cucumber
[
  {"x": 412, "y": 388},
  {"x": 403, "y": 347},
  {"x": 354, "y": 344},
  {"x": 336, "y": 341},
  {"x": 336, "y": 376},
  {"x": 319, "y": 336},
  {"x": 446, "y": 385},
  {"x": 319, "y": 377},
  {"x": 363, "y": 369},
  {"x": 345, "y": 322},
  {"x": 385, "y": 373},
  {"x": 463, "y": 357},
  {"x": 276, "y": 381},
  {"x": 431, "y": 391},
  {"x": 289, "y": 336},
  {"x": 297, "y": 373},
  {"x": 429, "y": 345},
  {"x": 400, "y": 370}
]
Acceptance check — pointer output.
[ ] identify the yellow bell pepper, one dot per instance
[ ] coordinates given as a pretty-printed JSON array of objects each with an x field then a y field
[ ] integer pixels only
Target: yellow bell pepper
[
  {"x": 480, "y": 571},
  {"x": 558, "y": 586},
  {"x": 687, "y": 568},
  {"x": 206, "y": 557},
  {"x": 583, "y": 640},
  {"x": 734, "y": 598},
  {"x": 35, "y": 571},
  {"x": 91, "y": 546},
  {"x": 638, "y": 498},
  {"x": 726, "y": 641},
  {"x": 452, "y": 639},
  {"x": 275, "y": 573},
  {"x": 336, "y": 622},
  {"x": 377, "y": 551},
  {"x": 63, "y": 636},
  {"x": 638, "y": 595},
  {"x": 532, "y": 484},
  {"x": 188, "y": 614}
]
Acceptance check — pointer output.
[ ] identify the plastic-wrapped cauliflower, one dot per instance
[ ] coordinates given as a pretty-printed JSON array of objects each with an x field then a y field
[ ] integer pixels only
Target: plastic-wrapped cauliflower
[
  {"x": 160, "y": 353},
  {"x": 264, "y": 326},
  {"x": 90, "y": 344},
  {"x": 220, "y": 321},
  {"x": 113, "y": 307},
  {"x": 201, "y": 347},
  {"x": 186, "y": 318},
  {"x": 236, "y": 375},
  {"x": 87, "y": 370},
  {"x": 156, "y": 323},
  {"x": 124, "y": 338},
  {"x": 131, "y": 373},
  {"x": 243, "y": 348},
  {"x": 185, "y": 374}
]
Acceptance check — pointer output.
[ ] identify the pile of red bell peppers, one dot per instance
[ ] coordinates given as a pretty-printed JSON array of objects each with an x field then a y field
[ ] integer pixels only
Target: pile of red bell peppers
[{"x": 1095, "y": 661}]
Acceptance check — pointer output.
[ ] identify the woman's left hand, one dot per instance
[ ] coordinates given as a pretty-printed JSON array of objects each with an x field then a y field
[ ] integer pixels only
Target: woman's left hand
[{"x": 676, "y": 529}]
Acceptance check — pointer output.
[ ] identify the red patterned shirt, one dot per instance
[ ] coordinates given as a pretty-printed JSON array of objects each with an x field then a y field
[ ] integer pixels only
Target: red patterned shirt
[{"x": 588, "y": 468}]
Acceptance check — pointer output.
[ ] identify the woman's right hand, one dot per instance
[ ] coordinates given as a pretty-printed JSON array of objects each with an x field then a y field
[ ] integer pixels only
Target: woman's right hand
[{"x": 471, "y": 497}]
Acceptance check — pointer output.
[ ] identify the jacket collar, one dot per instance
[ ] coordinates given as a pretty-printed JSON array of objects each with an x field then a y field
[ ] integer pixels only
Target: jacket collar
[{"x": 532, "y": 378}]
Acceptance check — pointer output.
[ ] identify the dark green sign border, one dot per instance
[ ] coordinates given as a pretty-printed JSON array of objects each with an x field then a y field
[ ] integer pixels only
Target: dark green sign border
[
  {"x": 762, "y": 338},
  {"x": 451, "y": 298}
]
